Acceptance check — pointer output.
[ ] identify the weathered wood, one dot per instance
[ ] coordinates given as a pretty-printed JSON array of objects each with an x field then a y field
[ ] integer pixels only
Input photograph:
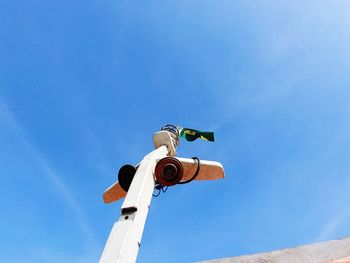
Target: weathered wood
[
  {"x": 113, "y": 193},
  {"x": 209, "y": 170}
]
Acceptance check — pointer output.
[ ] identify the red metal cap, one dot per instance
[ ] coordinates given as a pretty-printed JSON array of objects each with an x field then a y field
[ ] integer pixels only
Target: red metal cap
[{"x": 169, "y": 171}]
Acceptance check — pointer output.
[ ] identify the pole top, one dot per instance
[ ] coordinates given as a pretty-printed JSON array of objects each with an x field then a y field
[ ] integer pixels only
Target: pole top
[
  {"x": 169, "y": 136},
  {"x": 174, "y": 132}
]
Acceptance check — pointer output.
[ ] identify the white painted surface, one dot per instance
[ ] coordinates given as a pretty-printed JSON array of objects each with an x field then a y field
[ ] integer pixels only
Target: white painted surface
[
  {"x": 124, "y": 240},
  {"x": 165, "y": 138}
]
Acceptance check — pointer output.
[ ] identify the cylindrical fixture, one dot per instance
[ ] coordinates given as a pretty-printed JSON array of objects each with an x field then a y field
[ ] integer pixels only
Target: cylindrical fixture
[
  {"x": 168, "y": 171},
  {"x": 125, "y": 175}
]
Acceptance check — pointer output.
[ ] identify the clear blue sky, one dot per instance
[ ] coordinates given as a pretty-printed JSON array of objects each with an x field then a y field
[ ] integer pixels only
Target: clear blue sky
[{"x": 85, "y": 84}]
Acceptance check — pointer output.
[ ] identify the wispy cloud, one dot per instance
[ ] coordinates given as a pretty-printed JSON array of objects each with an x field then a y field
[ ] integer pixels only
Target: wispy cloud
[
  {"x": 61, "y": 187},
  {"x": 330, "y": 228}
]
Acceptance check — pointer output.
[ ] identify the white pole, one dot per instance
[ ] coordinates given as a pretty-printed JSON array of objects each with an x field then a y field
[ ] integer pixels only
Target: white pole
[{"x": 125, "y": 238}]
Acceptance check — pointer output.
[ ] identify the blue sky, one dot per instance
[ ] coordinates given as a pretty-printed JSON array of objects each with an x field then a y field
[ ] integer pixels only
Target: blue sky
[{"x": 85, "y": 84}]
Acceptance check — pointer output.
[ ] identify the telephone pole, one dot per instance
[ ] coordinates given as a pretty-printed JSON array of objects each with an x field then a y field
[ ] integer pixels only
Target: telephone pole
[{"x": 137, "y": 184}]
